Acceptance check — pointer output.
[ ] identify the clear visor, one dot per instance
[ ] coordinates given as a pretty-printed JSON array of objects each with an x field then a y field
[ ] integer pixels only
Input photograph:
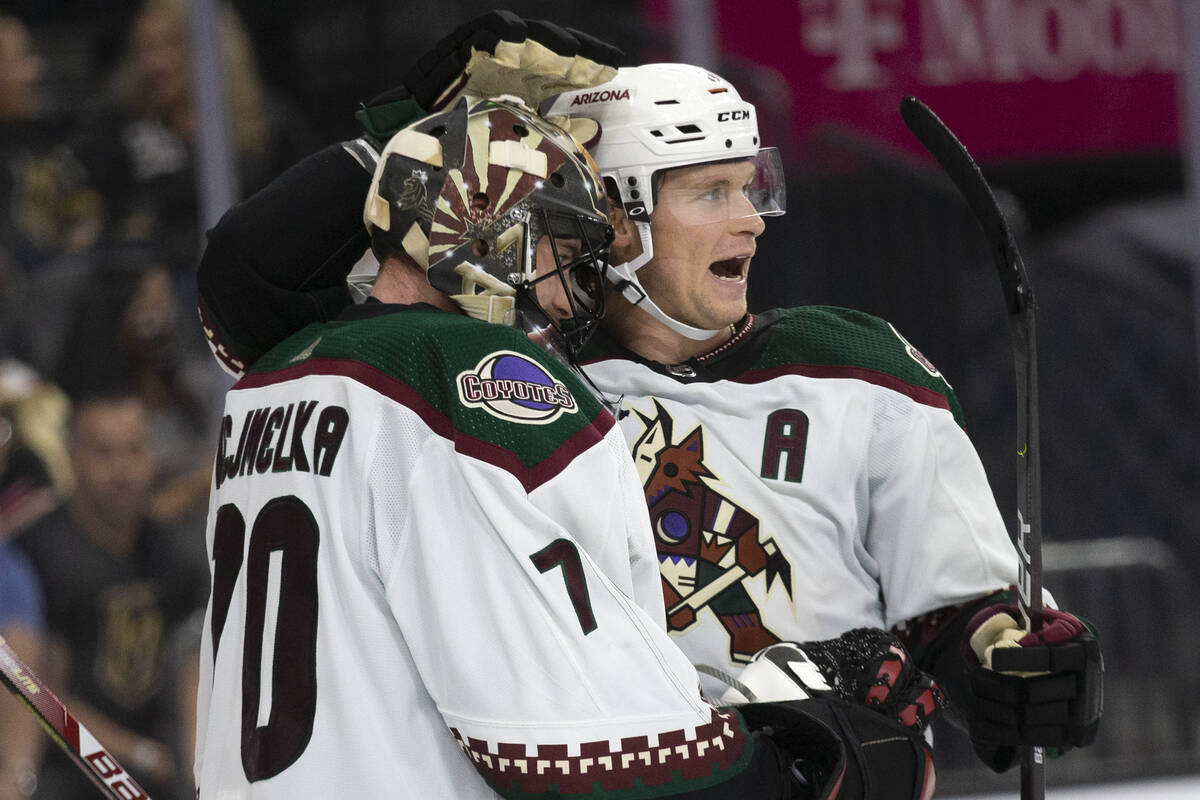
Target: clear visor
[{"x": 720, "y": 191}]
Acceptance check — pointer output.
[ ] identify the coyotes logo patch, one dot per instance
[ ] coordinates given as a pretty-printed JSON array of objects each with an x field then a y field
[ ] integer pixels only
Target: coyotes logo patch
[
  {"x": 708, "y": 545},
  {"x": 516, "y": 388}
]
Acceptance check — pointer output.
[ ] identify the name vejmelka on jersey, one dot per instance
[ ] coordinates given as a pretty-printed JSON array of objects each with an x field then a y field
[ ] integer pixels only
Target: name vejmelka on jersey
[{"x": 272, "y": 439}]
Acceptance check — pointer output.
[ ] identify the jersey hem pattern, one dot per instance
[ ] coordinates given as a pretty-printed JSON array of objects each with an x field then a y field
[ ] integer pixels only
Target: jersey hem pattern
[
  {"x": 629, "y": 770},
  {"x": 218, "y": 342}
]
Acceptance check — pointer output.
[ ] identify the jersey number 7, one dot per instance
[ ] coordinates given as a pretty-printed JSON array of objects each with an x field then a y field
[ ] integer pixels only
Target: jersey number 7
[{"x": 563, "y": 553}]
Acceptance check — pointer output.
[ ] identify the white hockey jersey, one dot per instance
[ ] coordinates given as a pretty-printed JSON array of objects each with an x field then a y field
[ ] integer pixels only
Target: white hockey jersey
[
  {"x": 808, "y": 477},
  {"x": 432, "y": 578}
]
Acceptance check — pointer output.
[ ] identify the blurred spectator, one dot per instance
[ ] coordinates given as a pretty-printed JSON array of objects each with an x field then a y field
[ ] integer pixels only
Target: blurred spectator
[
  {"x": 24, "y": 497},
  {"x": 124, "y": 330},
  {"x": 44, "y": 207},
  {"x": 22, "y": 624},
  {"x": 21, "y": 72},
  {"x": 31, "y": 448},
  {"x": 140, "y": 157},
  {"x": 115, "y": 591}
]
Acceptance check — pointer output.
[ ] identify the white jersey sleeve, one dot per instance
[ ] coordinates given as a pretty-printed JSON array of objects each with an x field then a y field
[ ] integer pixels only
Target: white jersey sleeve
[
  {"x": 933, "y": 533},
  {"x": 518, "y": 606}
]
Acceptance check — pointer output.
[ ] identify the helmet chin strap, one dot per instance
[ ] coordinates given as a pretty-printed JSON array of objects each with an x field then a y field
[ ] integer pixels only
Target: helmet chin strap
[{"x": 624, "y": 277}]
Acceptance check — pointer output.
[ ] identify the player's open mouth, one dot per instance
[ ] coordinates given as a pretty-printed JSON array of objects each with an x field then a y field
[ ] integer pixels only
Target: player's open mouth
[{"x": 732, "y": 270}]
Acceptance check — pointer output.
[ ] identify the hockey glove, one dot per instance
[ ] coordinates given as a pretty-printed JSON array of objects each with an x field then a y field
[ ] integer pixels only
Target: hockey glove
[
  {"x": 494, "y": 54},
  {"x": 865, "y": 666},
  {"x": 843, "y": 751},
  {"x": 861, "y": 686},
  {"x": 1044, "y": 689}
]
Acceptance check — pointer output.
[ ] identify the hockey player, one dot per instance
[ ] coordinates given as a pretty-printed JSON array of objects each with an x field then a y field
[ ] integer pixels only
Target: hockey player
[
  {"x": 806, "y": 469},
  {"x": 426, "y": 534}
]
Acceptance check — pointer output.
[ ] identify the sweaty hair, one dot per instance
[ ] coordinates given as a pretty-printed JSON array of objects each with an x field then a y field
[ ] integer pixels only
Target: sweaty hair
[{"x": 614, "y": 194}]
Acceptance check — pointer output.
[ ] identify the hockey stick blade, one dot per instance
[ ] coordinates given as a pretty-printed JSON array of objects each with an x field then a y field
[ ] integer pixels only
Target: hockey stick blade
[
  {"x": 944, "y": 146},
  {"x": 75, "y": 740}
]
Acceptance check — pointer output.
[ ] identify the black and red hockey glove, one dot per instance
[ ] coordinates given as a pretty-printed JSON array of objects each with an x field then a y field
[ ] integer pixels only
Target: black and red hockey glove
[
  {"x": 870, "y": 667},
  {"x": 1042, "y": 689},
  {"x": 495, "y": 53},
  {"x": 864, "y": 688}
]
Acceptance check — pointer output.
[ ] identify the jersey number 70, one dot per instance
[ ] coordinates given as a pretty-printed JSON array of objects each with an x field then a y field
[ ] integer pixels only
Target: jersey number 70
[
  {"x": 281, "y": 570},
  {"x": 279, "y": 663}
]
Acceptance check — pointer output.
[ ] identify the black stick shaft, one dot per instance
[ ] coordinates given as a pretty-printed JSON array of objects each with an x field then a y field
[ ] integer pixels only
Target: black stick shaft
[{"x": 1018, "y": 297}]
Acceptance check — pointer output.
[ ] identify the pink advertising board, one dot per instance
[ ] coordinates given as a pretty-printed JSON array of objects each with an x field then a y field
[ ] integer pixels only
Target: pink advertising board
[{"x": 1018, "y": 79}]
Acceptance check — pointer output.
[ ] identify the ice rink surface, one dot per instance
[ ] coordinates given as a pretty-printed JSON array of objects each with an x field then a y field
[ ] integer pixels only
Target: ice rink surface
[{"x": 1178, "y": 788}]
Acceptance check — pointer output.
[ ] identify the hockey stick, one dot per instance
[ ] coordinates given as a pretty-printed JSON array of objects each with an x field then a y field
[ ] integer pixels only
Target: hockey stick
[
  {"x": 75, "y": 740},
  {"x": 1018, "y": 299}
]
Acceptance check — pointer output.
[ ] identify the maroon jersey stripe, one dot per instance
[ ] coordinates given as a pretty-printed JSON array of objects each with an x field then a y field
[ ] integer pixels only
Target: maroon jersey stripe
[
  {"x": 918, "y": 393},
  {"x": 531, "y": 476}
]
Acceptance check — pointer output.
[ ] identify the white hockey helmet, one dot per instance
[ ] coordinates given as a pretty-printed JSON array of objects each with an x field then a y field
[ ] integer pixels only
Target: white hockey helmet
[{"x": 661, "y": 116}]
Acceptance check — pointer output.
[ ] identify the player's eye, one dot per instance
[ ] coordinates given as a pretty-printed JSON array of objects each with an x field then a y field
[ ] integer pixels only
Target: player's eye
[{"x": 587, "y": 281}]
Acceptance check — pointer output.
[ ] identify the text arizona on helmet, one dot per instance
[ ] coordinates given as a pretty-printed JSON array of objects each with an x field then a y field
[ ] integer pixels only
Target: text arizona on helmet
[{"x": 600, "y": 97}]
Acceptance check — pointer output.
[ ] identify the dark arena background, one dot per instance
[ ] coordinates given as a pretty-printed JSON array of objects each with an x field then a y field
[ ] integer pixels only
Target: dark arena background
[{"x": 1083, "y": 115}]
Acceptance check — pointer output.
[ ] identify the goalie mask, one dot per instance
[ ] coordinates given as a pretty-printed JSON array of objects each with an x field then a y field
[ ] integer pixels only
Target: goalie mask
[
  {"x": 663, "y": 116},
  {"x": 505, "y": 213}
]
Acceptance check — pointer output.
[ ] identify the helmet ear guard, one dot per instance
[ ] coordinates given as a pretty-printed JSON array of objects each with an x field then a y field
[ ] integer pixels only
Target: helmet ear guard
[{"x": 468, "y": 194}]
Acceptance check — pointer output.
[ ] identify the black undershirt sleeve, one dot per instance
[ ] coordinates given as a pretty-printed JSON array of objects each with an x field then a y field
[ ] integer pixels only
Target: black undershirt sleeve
[{"x": 277, "y": 261}]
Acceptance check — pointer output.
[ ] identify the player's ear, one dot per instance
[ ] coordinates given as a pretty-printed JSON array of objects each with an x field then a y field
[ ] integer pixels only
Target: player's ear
[{"x": 626, "y": 243}]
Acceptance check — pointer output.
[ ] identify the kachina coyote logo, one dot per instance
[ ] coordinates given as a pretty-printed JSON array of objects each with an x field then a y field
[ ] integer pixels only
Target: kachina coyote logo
[
  {"x": 513, "y": 387},
  {"x": 708, "y": 545}
]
